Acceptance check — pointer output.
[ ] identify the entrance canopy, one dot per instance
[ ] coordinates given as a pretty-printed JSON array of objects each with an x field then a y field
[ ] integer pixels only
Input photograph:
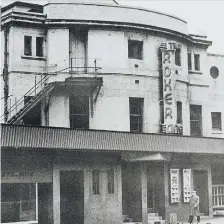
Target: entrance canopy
[{"x": 29, "y": 137}]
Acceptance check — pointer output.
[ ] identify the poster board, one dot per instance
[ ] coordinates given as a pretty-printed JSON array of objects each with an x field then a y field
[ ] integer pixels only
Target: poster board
[
  {"x": 186, "y": 185},
  {"x": 174, "y": 186}
]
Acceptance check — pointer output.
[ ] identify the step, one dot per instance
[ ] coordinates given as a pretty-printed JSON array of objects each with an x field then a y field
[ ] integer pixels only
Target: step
[
  {"x": 153, "y": 214},
  {"x": 156, "y": 222},
  {"x": 128, "y": 220},
  {"x": 154, "y": 218}
]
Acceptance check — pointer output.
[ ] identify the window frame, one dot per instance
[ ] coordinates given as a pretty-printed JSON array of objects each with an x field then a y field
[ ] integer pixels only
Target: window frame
[
  {"x": 27, "y": 48},
  {"x": 96, "y": 185},
  {"x": 179, "y": 112},
  {"x": 36, "y": 210},
  {"x": 197, "y": 66},
  {"x": 135, "y": 49},
  {"x": 189, "y": 61},
  {"x": 137, "y": 115},
  {"x": 178, "y": 56},
  {"x": 42, "y": 46},
  {"x": 110, "y": 181},
  {"x": 197, "y": 119},
  {"x": 79, "y": 115},
  {"x": 215, "y": 128}
]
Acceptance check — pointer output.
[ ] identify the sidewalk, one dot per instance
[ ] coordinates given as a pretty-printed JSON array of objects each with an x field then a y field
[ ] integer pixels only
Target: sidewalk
[{"x": 215, "y": 220}]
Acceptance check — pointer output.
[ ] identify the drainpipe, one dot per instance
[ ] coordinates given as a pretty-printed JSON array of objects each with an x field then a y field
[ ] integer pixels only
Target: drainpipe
[{"x": 6, "y": 75}]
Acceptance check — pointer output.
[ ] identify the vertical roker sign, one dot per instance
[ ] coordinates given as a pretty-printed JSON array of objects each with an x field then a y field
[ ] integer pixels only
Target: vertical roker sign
[{"x": 168, "y": 71}]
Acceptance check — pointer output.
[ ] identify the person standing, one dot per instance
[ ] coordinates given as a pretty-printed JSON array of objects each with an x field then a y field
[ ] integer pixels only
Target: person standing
[{"x": 194, "y": 207}]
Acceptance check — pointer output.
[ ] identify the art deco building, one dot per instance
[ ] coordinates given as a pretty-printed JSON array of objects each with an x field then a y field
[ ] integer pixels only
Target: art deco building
[{"x": 111, "y": 114}]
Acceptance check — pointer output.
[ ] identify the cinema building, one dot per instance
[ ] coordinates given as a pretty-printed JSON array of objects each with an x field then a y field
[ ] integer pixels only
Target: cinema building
[{"x": 111, "y": 114}]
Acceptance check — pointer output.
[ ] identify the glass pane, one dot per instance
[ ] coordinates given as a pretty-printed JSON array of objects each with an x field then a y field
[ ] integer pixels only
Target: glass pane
[{"x": 18, "y": 202}]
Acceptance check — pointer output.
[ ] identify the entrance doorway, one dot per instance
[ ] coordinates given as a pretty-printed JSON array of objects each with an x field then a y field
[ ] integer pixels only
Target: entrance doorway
[
  {"x": 201, "y": 187},
  {"x": 72, "y": 197}
]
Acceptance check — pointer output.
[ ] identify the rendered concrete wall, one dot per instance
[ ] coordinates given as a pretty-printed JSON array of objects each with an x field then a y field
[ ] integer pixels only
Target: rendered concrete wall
[
  {"x": 114, "y": 13},
  {"x": 100, "y": 208}
]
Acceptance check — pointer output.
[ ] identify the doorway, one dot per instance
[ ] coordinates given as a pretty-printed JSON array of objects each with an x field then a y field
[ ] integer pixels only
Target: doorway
[
  {"x": 72, "y": 197},
  {"x": 201, "y": 187}
]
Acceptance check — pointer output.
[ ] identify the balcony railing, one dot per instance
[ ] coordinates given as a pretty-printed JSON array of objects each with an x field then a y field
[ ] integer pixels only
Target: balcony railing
[
  {"x": 218, "y": 196},
  {"x": 83, "y": 65}
]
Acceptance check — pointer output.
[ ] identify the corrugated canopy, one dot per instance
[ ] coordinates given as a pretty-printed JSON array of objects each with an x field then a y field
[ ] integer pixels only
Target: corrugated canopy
[{"x": 13, "y": 136}]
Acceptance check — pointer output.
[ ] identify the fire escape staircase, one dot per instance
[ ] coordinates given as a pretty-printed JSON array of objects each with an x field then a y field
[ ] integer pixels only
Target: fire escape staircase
[{"x": 47, "y": 87}]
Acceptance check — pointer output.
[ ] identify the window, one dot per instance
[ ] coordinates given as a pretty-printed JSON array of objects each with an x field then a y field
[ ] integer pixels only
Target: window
[
  {"x": 178, "y": 57},
  {"x": 214, "y": 72},
  {"x": 27, "y": 45},
  {"x": 189, "y": 61},
  {"x": 135, "y": 49},
  {"x": 79, "y": 112},
  {"x": 136, "y": 114},
  {"x": 195, "y": 120},
  {"x": 39, "y": 46},
  {"x": 18, "y": 202},
  {"x": 197, "y": 62},
  {"x": 216, "y": 121},
  {"x": 179, "y": 112},
  {"x": 110, "y": 181},
  {"x": 96, "y": 182}
]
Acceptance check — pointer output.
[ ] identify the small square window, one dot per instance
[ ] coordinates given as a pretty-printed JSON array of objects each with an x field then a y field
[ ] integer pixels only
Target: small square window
[
  {"x": 197, "y": 62},
  {"x": 135, "y": 49},
  {"x": 39, "y": 46},
  {"x": 96, "y": 182},
  {"x": 27, "y": 45},
  {"x": 216, "y": 121}
]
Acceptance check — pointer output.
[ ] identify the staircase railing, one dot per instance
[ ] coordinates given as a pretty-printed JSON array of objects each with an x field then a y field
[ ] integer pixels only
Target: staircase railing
[{"x": 21, "y": 101}]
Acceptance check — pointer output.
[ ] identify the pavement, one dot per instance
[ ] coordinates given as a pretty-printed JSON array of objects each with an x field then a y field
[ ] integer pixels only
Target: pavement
[{"x": 215, "y": 220}]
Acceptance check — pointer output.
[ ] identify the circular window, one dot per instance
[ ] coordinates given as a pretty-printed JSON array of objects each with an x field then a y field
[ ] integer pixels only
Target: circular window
[{"x": 214, "y": 72}]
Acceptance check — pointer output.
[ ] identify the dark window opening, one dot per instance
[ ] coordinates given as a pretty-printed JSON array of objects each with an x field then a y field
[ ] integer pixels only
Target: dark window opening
[
  {"x": 96, "y": 182},
  {"x": 79, "y": 112},
  {"x": 179, "y": 112},
  {"x": 18, "y": 202},
  {"x": 136, "y": 114},
  {"x": 110, "y": 181},
  {"x": 27, "y": 45},
  {"x": 197, "y": 62},
  {"x": 178, "y": 57},
  {"x": 195, "y": 120},
  {"x": 216, "y": 121},
  {"x": 39, "y": 46},
  {"x": 189, "y": 61},
  {"x": 135, "y": 49}
]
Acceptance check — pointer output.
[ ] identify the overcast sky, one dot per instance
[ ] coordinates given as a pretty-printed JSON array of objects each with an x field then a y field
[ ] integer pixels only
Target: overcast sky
[{"x": 203, "y": 17}]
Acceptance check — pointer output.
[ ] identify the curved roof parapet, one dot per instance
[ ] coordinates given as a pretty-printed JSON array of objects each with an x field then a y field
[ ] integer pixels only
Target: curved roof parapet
[{"x": 101, "y": 11}]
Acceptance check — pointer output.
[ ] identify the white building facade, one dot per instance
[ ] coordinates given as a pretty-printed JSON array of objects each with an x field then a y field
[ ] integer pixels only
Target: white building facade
[{"x": 116, "y": 69}]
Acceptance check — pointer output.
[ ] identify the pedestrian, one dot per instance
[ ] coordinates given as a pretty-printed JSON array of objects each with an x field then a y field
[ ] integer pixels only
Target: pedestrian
[{"x": 194, "y": 207}]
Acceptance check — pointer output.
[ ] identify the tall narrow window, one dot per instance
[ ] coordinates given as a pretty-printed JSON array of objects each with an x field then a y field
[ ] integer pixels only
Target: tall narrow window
[
  {"x": 110, "y": 181},
  {"x": 195, "y": 120},
  {"x": 197, "y": 62},
  {"x": 179, "y": 112},
  {"x": 178, "y": 57},
  {"x": 135, "y": 49},
  {"x": 96, "y": 181},
  {"x": 136, "y": 114},
  {"x": 18, "y": 202},
  {"x": 39, "y": 46},
  {"x": 189, "y": 61},
  {"x": 216, "y": 121},
  {"x": 27, "y": 45},
  {"x": 79, "y": 112}
]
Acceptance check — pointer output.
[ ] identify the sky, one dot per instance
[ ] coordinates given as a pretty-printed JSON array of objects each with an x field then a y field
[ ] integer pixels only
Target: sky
[{"x": 203, "y": 17}]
